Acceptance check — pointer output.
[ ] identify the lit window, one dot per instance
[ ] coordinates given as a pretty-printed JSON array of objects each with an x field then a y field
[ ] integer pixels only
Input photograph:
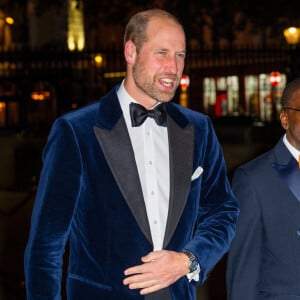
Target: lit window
[{"x": 221, "y": 96}]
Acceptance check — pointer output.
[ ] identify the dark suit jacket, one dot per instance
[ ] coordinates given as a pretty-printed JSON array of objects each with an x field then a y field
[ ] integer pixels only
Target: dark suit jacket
[
  {"x": 264, "y": 258},
  {"x": 89, "y": 192}
]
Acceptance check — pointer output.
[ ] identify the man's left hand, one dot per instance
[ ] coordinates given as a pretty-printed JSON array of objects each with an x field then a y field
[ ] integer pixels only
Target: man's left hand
[{"x": 159, "y": 270}]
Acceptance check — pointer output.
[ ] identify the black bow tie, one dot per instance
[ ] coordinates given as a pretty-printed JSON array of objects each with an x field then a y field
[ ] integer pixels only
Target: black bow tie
[{"x": 139, "y": 114}]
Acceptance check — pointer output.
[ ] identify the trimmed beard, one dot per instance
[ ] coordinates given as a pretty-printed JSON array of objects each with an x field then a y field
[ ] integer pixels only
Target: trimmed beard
[{"x": 147, "y": 84}]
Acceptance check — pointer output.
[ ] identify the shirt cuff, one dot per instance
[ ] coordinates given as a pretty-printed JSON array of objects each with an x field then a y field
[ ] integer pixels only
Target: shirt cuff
[{"x": 194, "y": 275}]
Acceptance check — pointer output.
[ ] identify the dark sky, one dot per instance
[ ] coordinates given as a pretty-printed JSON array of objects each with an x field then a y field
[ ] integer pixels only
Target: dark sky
[{"x": 262, "y": 11}]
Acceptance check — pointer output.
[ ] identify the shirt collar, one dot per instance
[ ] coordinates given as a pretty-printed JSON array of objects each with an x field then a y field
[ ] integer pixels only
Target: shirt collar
[
  {"x": 295, "y": 152},
  {"x": 125, "y": 99}
]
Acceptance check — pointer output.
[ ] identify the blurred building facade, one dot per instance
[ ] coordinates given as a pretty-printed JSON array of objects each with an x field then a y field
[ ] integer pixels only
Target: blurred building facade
[{"x": 67, "y": 57}]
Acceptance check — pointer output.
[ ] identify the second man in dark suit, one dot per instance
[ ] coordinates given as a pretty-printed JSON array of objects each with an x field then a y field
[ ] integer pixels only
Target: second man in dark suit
[{"x": 264, "y": 258}]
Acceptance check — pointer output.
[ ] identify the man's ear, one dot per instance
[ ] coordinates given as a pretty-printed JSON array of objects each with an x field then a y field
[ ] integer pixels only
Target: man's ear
[
  {"x": 284, "y": 120},
  {"x": 130, "y": 52}
]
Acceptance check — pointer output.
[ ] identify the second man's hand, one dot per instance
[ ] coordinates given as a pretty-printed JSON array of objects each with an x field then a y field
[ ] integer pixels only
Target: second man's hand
[{"x": 158, "y": 270}]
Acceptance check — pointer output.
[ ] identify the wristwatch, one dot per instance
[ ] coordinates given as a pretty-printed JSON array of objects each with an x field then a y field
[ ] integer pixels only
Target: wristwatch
[{"x": 193, "y": 260}]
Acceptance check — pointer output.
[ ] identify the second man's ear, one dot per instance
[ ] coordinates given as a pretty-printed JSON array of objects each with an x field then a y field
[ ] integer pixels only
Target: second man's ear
[{"x": 284, "y": 120}]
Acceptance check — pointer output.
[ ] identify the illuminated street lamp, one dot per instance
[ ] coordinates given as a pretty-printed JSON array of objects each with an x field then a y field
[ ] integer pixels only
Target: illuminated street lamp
[
  {"x": 98, "y": 59},
  {"x": 9, "y": 20},
  {"x": 292, "y": 37}
]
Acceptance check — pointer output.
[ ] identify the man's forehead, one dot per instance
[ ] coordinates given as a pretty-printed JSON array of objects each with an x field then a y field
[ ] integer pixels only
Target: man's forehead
[{"x": 160, "y": 27}]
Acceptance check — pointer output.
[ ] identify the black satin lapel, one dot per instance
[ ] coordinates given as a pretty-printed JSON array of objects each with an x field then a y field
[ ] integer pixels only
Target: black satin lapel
[
  {"x": 181, "y": 144},
  {"x": 119, "y": 154},
  {"x": 290, "y": 174}
]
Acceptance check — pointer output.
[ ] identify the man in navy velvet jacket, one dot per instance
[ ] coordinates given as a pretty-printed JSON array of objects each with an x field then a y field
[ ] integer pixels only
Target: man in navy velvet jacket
[{"x": 144, "y": 202}]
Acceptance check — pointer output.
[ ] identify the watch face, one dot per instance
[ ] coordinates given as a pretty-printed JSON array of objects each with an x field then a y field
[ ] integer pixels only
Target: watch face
[{"x": 193, "y": 265}]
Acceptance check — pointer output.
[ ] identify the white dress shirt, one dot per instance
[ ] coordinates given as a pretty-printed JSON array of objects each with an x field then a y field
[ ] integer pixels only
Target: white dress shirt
[
  {"x": 295, "y": 152},
  {"x": 151, "y": 149}
]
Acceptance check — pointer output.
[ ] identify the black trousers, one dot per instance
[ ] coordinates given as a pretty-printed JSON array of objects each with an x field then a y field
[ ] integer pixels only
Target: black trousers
[{"x": 163, "y": 294}]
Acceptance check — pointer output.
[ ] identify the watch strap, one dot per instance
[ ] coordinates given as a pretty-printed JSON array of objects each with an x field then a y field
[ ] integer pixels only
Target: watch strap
[{"x": 193, "y": 260}]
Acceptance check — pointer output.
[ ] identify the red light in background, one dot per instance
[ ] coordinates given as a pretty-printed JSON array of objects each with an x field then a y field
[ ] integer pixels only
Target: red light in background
[{"x": 275, "y": 78}]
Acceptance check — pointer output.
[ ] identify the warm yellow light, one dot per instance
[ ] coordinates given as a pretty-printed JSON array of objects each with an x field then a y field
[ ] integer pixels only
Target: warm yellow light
[
  {"x": 292, "y": 35},
  {"x": 2, "y": 114},
  {"x": 114, "y": 74},
  {"x": 71, "y": 44},
  {"x": 40, "y": 96},
  {"x": 80, "y": 43},
  {"x": 2, "y": 106},
  {"x": 98, "y": 59},
  {"x": 76, "y": 34},
  {"x": 9, "y": 20}
]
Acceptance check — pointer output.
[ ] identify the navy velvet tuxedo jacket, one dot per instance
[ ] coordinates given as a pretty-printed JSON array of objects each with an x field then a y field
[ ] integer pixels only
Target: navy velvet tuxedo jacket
[
  {"x": 89, "y": 194},
  {"x": 264, "y": 258}
]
